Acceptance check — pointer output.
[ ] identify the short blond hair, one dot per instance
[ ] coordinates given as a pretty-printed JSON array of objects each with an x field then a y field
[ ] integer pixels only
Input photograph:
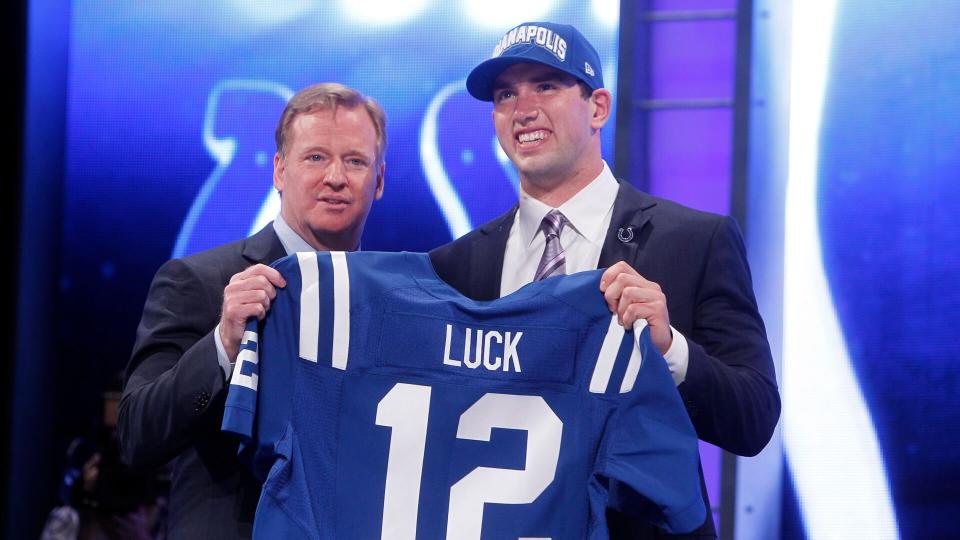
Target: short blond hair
[{"x": 329, "y": 96}]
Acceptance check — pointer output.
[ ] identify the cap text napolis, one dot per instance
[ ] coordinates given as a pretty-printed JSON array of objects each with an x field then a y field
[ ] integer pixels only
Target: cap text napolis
[{"x": 544, "y": 37}]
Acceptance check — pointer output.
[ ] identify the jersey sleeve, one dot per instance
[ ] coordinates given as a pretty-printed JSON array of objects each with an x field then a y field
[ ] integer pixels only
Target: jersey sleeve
[
  {"x": 651, "y": 456},
  {"x": 258, "y": 403},
  {"x": 241, "y": 405}
]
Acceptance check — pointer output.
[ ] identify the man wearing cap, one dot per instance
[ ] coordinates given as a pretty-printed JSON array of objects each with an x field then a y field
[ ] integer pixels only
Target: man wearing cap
[{"x": 682, "y": 270}]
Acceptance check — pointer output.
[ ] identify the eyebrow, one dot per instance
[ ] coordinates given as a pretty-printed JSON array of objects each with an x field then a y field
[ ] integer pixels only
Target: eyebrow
[
  {"x": 350, "y": 152},
  {"x": 309, "y": 150}
]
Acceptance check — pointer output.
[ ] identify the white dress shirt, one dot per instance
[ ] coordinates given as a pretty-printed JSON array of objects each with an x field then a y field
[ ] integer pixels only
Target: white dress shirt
[{"x": 588, "y": 215}]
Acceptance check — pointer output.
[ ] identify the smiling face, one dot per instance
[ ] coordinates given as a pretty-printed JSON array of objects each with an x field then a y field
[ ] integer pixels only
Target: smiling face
[
  {"x": 328, "y": 176},
  {"x": 549, "y": 130}
]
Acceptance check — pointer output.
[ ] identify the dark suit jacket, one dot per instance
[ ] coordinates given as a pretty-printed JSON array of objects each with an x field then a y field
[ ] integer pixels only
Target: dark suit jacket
[
  {"x": 699, "y": 260},
  {"x": 174, "y": 392}
]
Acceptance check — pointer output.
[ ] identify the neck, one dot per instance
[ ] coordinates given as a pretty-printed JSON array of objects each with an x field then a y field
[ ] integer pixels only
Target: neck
[
  {"x": 349, "y": 242},
  {"x": 553, "y": 191}
]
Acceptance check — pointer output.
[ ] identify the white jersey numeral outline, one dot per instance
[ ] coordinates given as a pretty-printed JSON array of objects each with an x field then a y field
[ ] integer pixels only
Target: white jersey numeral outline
[{"x": 405, "y": 409}]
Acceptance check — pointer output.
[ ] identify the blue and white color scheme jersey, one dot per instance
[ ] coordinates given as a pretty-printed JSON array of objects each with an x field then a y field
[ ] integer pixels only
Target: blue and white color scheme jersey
[{"x": 375, "y": 401}]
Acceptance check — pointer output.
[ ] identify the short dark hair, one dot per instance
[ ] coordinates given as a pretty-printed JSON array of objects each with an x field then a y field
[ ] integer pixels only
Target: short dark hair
[{"x": 585, "y": 90}]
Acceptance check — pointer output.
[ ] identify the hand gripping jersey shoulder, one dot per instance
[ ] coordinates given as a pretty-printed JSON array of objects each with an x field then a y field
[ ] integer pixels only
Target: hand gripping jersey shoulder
[{"x": 376, "y": 401}]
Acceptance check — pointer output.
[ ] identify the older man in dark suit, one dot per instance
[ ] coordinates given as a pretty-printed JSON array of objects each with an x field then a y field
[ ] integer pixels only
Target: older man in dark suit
[
  {"x": 685, "y": 272},
  {"x": 328, "y": 170}
]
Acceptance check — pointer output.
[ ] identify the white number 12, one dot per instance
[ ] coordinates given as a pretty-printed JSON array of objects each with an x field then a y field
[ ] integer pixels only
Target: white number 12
[{"x": 405, "y": 409}]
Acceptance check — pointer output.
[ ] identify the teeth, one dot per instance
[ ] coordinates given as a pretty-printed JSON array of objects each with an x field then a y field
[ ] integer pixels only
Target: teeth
[{"x": 531, "y": 137}]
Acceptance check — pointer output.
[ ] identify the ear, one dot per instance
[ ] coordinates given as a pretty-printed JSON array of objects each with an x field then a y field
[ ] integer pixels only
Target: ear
[
  {"x": 278, "y": 168},
  {"x": 379, "y": 192},
  {"x": 601, "y": 102}
]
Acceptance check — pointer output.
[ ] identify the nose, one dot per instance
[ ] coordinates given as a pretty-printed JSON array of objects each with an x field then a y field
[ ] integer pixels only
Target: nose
[
  {"x": 335, "y": 176},
  {"x": 526, "y": 109}
]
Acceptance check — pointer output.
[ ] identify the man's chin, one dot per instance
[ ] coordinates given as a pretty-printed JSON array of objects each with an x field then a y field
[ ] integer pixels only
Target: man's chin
[
  {"x": 538, "y": 172},
  {"x": 330, "y": 227},
  {"x": 539, "y": 161},
  {"x": 335, "y": 221}
]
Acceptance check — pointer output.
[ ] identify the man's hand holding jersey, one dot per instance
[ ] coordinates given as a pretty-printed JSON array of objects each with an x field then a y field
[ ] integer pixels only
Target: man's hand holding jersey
[
  {"x": 248, "y": 294},
  {"x": 633, "y": 297}
]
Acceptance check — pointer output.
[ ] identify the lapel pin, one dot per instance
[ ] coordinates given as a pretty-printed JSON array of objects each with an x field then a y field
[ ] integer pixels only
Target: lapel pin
[{"x": 625, "y": 234}]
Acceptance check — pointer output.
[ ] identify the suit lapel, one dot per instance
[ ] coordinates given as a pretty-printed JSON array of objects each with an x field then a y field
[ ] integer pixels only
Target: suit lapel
[
  {"x": 628, "y": 227},
  {"x": 486, "y": 263},
  {"x": 263, "y": 247}
]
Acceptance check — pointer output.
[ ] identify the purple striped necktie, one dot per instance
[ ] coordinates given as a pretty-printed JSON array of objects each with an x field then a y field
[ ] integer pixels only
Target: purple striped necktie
[{"x": 553, "y": 262}]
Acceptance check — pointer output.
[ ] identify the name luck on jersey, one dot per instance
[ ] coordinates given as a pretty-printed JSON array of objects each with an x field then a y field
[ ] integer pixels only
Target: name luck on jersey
[{"x": 492, "y": 349}]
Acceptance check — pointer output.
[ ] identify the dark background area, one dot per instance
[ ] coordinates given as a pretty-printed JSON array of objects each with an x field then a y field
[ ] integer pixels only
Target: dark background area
[{"x": 13, "y": 30}]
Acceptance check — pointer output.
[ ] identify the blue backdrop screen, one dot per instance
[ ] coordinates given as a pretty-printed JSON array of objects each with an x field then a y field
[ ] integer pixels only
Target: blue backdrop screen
[
  {"x": 870, "y": 351},
  {"x": 890, "y": 192}
]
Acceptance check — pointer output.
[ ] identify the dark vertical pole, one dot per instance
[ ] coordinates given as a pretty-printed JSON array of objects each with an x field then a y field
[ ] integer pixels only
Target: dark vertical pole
[
  {"x": 630, "y": 162},
  {"x": 738, "y": 209},
  {"x": 741, "y": 112},
  {"x": 36, "y": 459}
]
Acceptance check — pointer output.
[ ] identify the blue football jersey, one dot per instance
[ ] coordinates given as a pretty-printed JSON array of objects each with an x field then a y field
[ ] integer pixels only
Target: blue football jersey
[{"x": 375, "y": 401}]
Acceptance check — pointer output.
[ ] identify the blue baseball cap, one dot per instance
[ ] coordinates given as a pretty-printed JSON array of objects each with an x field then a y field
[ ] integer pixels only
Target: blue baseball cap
[{"x": 559, "y": 46}]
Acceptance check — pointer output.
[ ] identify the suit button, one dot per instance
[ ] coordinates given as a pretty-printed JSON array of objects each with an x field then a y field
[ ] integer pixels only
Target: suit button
[{"x": 201, "y": 401}]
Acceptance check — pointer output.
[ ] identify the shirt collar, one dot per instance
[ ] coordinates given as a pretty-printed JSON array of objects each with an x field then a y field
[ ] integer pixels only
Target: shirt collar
[
  {"x": 291, "y": 241},
  {"x": 585, "y": 211}
]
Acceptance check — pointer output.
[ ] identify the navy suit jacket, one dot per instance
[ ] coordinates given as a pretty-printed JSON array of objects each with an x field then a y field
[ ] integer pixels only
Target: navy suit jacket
[
  {"x": 700, "y": 262},
  {"x": 174, "y": 392}
]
